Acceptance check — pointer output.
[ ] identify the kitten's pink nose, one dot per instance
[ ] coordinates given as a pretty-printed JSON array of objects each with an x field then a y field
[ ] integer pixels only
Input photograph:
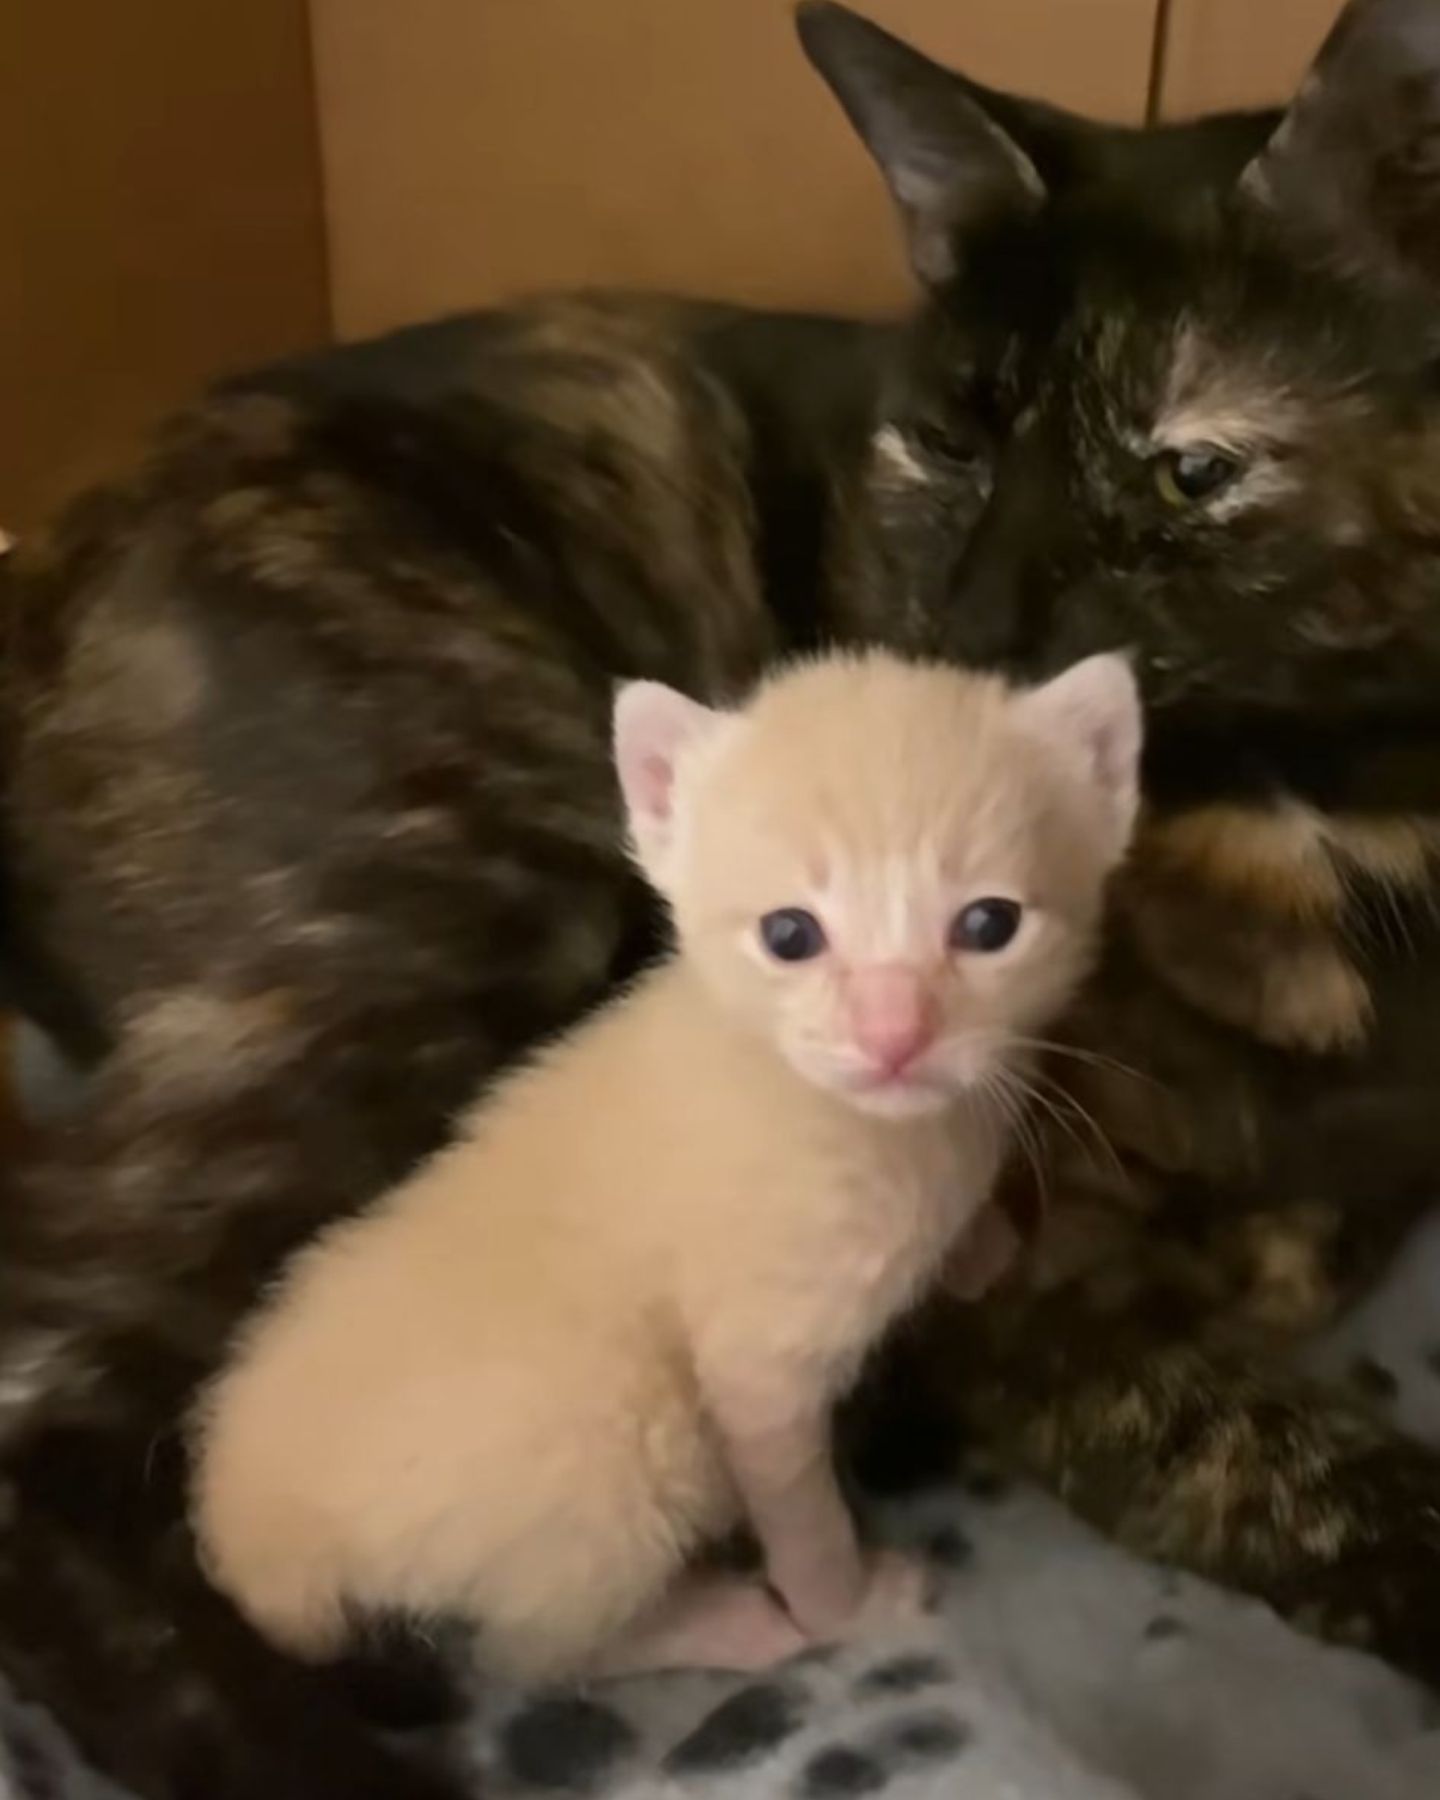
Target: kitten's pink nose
[{"x": 891, "y": 1016}]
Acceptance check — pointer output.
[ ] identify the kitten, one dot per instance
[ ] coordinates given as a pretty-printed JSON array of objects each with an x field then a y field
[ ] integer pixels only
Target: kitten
[{"x": 611, "y": 1321}]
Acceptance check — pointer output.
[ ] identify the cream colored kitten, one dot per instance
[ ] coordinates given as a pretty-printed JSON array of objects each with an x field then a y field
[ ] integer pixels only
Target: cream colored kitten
[{"x": 611, "y": 1321}]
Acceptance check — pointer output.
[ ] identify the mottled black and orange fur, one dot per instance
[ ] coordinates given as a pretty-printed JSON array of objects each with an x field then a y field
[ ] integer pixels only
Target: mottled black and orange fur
[{"x": 308, "y": 827}]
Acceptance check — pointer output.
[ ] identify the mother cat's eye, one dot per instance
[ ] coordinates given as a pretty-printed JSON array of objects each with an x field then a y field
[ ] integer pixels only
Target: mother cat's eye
[
  {"x": 1186, "y": 477},
  {"x": 792, "y": 934},
  {"x": 949, "y": 442},
  {"x": 986, "y": 925}
]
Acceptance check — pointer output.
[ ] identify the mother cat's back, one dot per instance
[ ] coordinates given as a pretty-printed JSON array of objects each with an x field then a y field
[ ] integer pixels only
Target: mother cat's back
[{"x": 333, "y": 671}]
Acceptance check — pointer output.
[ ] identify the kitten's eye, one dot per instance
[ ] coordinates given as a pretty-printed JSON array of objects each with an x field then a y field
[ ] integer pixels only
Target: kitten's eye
[
  {"x": 792, "y": 934},
  {"x": 986, "y": 925},
  {"x": 1186, "y": 477}
]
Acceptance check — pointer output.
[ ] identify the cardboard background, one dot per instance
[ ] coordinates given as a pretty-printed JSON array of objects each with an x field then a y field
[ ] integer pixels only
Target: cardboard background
[
  {"x": 476, "y": 151},
  {"x": 1222, "y": 53},
  {"x": 160, "y": 216},
  {"x": 189, "y": 188}
]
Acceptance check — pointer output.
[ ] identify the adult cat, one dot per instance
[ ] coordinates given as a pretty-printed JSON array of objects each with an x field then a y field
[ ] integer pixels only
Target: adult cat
[{"x": 309, "y": 822}]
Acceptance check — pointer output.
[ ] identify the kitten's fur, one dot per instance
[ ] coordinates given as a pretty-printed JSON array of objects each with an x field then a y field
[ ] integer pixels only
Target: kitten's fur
[
  {"x": 609, "y": 1324},
  {"x": 309, "y": 829}
]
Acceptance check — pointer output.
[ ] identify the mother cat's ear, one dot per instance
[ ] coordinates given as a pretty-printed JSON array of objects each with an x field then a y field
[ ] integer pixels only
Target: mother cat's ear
[
  {"x": 1092, "y": 714},
  {"x": 653, "y": 727},
  {"x": 1355, "y": 164},
  {"x": 951, "y": 167}
]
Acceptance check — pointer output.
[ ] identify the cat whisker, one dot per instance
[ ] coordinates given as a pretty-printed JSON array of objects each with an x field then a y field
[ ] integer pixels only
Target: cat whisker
[
  {"x": 1057, "y": 1104},
  {"x": 995, "y": 1086},
  {"x": 1387, "y": 907},
  {"x": 1023, "y": 1125},
  {"x": 1063, "y": 1098},
  {"x": 1089, "y": 1058},
  {"x": 1053, "y": 1112}
]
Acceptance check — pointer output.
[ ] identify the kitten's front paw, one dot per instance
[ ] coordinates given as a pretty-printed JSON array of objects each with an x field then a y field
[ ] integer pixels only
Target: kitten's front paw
[
  {"x": 887, "y": 1589},
  {"x": 898, "y": 1588},
  {"x": 823, "y": 1602},
  {"x": 893, "y": 1588}
]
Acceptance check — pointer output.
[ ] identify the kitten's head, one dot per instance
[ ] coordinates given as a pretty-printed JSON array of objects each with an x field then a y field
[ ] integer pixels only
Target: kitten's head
[
  {"x": 1176, "y": 390},
  {"x": 891, "y": 871}
]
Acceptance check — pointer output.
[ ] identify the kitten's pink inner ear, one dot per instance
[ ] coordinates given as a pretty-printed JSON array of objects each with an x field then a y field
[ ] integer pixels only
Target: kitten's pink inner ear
[
  {"x": 1095, "y": 708},
  {"x": 653, "y": 725},
  {"x": 654, "y": 783}
]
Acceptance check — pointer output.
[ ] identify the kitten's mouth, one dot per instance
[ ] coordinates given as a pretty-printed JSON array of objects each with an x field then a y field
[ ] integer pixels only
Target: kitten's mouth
[
  {"x": 915, "y": 1088},
  {"x": 908, "y": 1077},
  {"x": 898, "y": 1091}
]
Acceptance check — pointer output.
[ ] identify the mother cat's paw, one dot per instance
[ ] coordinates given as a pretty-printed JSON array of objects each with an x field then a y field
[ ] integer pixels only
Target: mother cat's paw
[{"x": 1380, "y": 1591}]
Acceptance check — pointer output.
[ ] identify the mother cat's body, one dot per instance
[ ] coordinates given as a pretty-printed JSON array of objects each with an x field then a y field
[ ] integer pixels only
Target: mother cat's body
[{"x": 310, "y": 822}]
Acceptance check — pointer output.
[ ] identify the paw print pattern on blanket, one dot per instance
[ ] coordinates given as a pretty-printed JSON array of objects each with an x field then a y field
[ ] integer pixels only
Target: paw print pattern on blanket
[{"x": 1058, "y": 1667}]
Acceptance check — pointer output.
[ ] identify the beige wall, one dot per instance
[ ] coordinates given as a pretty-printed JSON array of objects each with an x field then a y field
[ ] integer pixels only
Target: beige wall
[
  {"x": 160, "y": 219},
  {"x": 1219, "y": 53},
  {"x": 479, "y": 148}
]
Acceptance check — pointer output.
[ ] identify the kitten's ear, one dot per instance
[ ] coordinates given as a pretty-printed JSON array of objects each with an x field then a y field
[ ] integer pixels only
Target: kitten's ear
[
  {"x": 653, "y": 726},
  {"x": 1093, "y": 712},
  {"x": 949, "y": 166},
  {"x": 1355, "y": 164}
]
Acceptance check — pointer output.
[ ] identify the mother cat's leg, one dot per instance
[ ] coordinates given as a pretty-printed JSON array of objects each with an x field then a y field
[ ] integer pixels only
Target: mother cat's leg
[
  {"x": 153, "y": 1676},
  {"x": 201, "y": 1158},
  {"x": 1171, "y": 1421}
]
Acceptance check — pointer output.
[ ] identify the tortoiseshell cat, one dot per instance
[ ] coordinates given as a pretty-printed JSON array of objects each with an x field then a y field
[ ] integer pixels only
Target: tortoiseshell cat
[{"x": 309, "y": 822}]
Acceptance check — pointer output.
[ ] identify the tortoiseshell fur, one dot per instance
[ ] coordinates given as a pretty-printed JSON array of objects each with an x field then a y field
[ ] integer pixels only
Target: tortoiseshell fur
[{"x": 309, "y": 827}]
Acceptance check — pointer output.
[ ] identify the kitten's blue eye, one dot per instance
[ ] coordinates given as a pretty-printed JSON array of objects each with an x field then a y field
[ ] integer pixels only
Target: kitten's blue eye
[
  {"x": 986, "y": 925},
  {"x": 792, "y": 934}
]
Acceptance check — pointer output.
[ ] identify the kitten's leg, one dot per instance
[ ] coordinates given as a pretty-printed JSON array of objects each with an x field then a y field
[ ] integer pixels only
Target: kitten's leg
[
  {"x": 707, "y": 1622},
  {"x": 782, "y": 1466},
  {"x": 1209, "y": 1457}
]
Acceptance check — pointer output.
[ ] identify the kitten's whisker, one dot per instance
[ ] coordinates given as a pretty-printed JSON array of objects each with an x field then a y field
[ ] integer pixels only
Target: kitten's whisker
[
  {"x": 1074, "y": 1053},
  {"x": 1051, "y": 1105},
  {"x": 995, "y": 1085},
  {"x": 1024, "y": 1126},
  {"x": 1052, "y": 1112},
  {"x": 1064, "y": 1098}
]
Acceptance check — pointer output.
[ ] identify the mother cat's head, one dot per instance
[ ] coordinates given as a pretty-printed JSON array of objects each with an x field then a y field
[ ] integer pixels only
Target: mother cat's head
[{"x": 1178, "y": 390}]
